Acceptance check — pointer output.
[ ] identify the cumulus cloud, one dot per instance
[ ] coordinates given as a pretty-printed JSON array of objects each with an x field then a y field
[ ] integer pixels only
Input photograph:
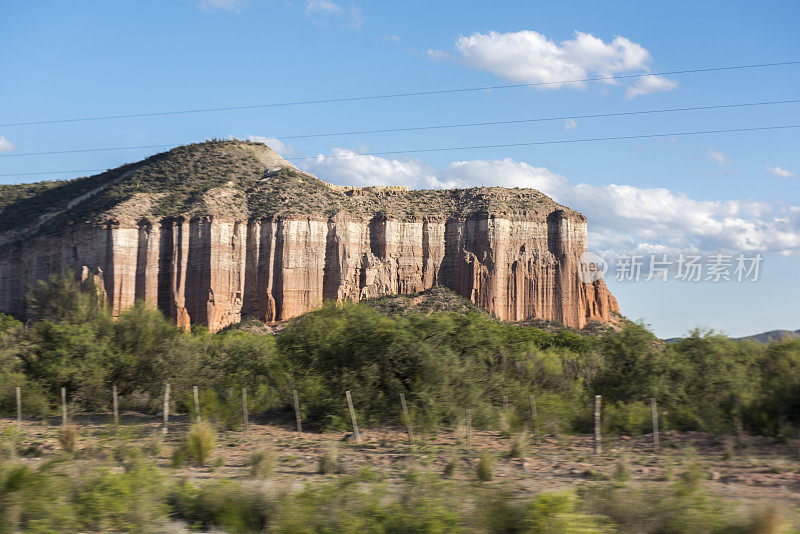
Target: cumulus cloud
[
  {"x": 221, "y": 5},
  {"x": 570, "y": 124},
  {"x": 274, "y": 143},
  {"x": 650, "y": 84},
  {"x": 780, "y": 172},
  {"x": 720, "y": 158},
  {"x": 346, "y": 167},
  {"x": 623, "y": 218},
  {"x": 6, "y": 145},
  {"x": 324, "y": 11},
  {"x": 529, "y": 57}
]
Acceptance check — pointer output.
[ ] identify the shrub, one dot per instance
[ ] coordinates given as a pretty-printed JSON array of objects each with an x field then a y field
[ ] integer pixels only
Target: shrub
[
  {"x": 450, "y": 465},
  {"x": 484, "y": 469},
  {"x": 262, "y": 463},
  {"x": 68, "y": 437},
  {"x": 200, "y": 442},
  {"x": 329, "y": 460},
  {"x": 179, "y": 456},
  {"x": 519, "y": 445},
  {"x": 223, "y": 504},
  {"x": 622, "y": 472},
  {"x": 558, "y": 512}
]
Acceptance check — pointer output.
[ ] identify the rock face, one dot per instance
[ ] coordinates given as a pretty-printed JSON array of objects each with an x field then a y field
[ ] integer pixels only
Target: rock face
[{"x": 262, "y": 239}]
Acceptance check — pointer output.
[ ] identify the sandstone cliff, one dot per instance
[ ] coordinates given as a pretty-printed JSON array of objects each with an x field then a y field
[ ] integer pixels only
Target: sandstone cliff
[{"x": 214, "y": 232}]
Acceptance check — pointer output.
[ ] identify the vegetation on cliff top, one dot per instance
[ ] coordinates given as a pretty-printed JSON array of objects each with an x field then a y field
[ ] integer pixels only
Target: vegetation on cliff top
[{"x": 231, "y": 179}]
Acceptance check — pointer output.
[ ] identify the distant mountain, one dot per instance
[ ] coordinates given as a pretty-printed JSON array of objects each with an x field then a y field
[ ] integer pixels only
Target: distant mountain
[
  {"x": 763, "y": 337},
  {"x": 772, "y": 335}
]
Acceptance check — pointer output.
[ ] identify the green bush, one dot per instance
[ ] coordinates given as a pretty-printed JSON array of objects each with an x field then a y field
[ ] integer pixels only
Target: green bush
[
  {"x": 442, "y": 362},
  {"x": 262, "y": 463},
  {"x": 200, "y": 442},
  {"x": 68, "y": 437},
  {"x": 519, "y": 445},
  {"x": 67, "y": 496},
  {"x": 57, "y": 498},
  {"x": 329, "y": 460},
  {"x": 484, "y": 468}
]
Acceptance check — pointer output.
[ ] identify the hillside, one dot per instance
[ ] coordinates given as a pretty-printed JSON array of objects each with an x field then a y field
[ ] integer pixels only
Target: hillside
[
  {"x": 769, "y": 336},
  {"x": 216, "y": 232},
  {"x": 236, "y": 179}
]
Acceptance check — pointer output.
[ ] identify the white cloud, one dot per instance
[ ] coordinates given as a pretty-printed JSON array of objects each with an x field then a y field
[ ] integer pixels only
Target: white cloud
[
  {"x": 323, "y": 11},
  {"x": 274, "y": 143},
  {"x": 622, "y": 218},
  {"x": 570, "y": 124},
  {"x": 6, "y": 145},
  {"x": 437, "y": 54},
  {"x": 222, "y": 5},
  {"x": 504, "y": 173},
  {"x": 530, "y": 57},
  {"x": 650, "y": 84},
  {"x": 345, "y": 167},
  {"x": 720, "y": 158},
  {"x": 393, "y": 38},
  {"x": 323, "y": 6},
  {"x": 780, "y": 172}
]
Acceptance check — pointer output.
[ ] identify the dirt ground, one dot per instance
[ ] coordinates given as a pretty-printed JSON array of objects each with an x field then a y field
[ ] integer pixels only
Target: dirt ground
[{"x": 763, "y": 471}]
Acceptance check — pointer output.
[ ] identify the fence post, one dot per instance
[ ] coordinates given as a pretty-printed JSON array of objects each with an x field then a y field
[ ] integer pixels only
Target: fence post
[
  {"x": 598, "y": 448},
  {"x": 166, "y": 409},
  {"x": 297, "y": 413},
  {"x": 196, "y": 396},
  {"x": 656, "y": 440},
  {"x": 64, "y": 406},
  {"x": 353, "y": 416},
  {"x": 19, "y": 406},
  {"x": 245, "y": 417},
  {"x": 115, "y": 404},
  {"x": 534, "y": 420},
  {"x": 406, "y": 417}
]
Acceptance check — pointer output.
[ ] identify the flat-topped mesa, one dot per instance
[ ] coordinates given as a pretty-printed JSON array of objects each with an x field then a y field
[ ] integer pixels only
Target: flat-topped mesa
[{"x": 214, "y": 232}]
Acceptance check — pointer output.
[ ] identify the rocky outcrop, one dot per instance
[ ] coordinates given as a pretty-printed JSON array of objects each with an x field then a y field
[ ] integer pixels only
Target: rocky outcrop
[{"x": 519, "y": 260}]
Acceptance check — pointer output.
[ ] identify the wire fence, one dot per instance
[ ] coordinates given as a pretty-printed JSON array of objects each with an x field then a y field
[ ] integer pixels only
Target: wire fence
[{"x": 195, "y": 415}]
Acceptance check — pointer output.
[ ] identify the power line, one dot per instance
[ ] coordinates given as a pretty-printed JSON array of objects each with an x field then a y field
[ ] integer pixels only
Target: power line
[
  {"x": 438, "y": 126},
  {"x": 51, "y": 172},
  {"x": 402, "y": 95},
  {"x": 543, "y": 119},
  {"x": 79, "y": 150},
  {"x": 504, "y": 145},
  {"x": 554, "y": 142}
]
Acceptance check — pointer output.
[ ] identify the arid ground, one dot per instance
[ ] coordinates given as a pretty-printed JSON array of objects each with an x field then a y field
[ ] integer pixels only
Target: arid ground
[{"x": 762, "y": 471}]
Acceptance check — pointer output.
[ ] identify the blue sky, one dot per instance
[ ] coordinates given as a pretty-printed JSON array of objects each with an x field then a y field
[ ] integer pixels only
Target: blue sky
[{"x": 705, "y": 194}]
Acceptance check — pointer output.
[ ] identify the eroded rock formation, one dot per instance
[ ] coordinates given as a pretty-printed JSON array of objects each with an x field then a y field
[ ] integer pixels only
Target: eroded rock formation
[{"x": 273, "y": 243}]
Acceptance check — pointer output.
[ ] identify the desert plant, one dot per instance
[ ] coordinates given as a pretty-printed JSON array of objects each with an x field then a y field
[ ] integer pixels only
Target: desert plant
[
  {"x": 329, "y": 460},
  {"x": 262, "y": 463},
  {"x": 451, "y": 465},
  {"x": 200, "y": 442},
  {"x": 68, "y": 437},
  {"x": 622, "y": 472},
  {"x": 484, "y": 469},
  {"x": 519, "y": 445},
  {"x": 769, "y": 520},
  {"x": 179, "y": 455}
]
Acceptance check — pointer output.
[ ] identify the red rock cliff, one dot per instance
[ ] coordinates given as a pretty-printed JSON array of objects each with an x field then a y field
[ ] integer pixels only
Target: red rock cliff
[{"x": 274, "y": 243}]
